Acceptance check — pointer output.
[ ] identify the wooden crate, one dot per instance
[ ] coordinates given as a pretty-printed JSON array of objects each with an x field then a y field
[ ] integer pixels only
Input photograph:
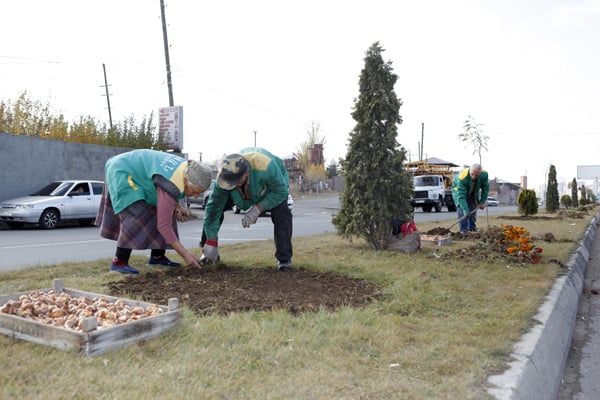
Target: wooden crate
[
  {"x": 90, "y": 341},
  {"x": 438, "y": 240}
]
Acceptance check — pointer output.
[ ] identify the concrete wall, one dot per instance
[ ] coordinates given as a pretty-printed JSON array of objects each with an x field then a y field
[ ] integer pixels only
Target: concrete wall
[{"x": 28, "y": 163}]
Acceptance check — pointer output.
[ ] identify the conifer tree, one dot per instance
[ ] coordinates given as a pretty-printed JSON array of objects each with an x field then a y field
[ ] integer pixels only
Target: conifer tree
[
  {"x": 377, "y": 189},
  {"x": 552, "y": 199},
  {"x": 583, "y": 200},
  {"x": 574, "y": 198}
]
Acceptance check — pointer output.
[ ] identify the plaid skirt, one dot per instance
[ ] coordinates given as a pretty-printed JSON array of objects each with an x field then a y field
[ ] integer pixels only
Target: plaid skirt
[{"x": 138, "y": 232}]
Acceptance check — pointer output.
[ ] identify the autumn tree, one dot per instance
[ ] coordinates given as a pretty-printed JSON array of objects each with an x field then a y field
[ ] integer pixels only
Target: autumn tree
[
  {"x": 378, "y": 189},
  {"x": 552, "y": 199},
  {"x": 473, "y": 136},
  {"x": 26, "y": 116},
  {"x": 314, "y": 172}
]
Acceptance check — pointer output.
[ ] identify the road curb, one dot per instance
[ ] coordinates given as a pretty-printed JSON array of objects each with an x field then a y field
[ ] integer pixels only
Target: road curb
[{"x": 539, "y": 358}]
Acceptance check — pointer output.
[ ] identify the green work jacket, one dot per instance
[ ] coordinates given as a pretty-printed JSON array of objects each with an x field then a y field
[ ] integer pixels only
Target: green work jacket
[
  {"x": 129, "y": 176},
  {"x": 269, "y": 187},
  {"x": 462, "y": 186}
]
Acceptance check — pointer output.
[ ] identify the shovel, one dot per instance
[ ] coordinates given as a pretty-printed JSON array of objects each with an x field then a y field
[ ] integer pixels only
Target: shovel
[{"x": 463, "y": 217}]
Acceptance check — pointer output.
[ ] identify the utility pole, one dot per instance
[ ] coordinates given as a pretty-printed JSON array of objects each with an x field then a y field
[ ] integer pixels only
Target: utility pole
[
  {"x": 422, "y": 138},
  {"x": 167, "y": 61},
  {"x": 254, "y": 138},
  {"x": 107, "y": 97}
]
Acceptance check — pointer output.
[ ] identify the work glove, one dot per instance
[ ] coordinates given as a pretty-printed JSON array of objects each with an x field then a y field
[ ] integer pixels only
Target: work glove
[
  {"x": 211, "y": 251},
  {"x": 251, "y": 216}
]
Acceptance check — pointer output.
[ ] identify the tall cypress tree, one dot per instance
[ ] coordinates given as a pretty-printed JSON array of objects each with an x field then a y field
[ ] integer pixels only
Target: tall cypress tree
[
  {"x": 378, "y": 189},
  {"x": 552, "y": 200},
  {"x": 574, "y": 198}
]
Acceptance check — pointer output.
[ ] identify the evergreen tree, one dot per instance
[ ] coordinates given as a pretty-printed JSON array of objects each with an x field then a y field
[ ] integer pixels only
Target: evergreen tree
[
  {"x": 377, "y": 189},
  {"x": 583, "y": 200},
  {"x": 332, "y": 169},
  {"x": 552, "y": 199},
  {"x": 527, "y": 202},
  {"x": 574, "y": 198}
]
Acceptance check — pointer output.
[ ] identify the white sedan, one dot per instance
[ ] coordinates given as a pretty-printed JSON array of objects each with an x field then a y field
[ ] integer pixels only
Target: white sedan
[
  {"x": 492, "y": 202},
  {"x": 58, "y": 201}
]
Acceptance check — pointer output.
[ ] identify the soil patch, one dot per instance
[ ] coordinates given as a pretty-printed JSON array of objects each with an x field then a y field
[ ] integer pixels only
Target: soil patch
[
  {"x": 223, "y": 290},
  {"x": 491, "y": 244}
]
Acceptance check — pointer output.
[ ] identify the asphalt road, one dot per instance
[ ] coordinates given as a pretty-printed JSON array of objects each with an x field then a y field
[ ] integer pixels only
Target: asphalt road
[{"x": 31, "y": 246}]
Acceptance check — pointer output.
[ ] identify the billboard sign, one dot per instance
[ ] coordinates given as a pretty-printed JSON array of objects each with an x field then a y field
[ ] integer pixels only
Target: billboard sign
[
  {"x": 588, "y": 171},
  {"x": 170, "y": 125}
]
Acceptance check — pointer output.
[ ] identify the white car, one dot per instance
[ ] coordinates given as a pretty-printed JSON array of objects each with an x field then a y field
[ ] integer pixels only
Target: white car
[
  {"x": 74, "y": 200},
  {"x": 492, "y": 202}
]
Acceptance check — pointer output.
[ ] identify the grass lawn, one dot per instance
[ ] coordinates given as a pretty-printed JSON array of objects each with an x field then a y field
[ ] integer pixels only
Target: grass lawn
[{"x": 439, "y": 328}]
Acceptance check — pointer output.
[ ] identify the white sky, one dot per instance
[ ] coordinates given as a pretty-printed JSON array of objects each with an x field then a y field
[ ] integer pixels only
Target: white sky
[{"x": 525, "y": 69}]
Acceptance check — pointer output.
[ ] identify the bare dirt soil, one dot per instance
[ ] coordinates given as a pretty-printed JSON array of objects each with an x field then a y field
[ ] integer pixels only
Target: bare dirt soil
[
  {"x": 490, "y": 244},
  {"x": 223, "y": 290}
]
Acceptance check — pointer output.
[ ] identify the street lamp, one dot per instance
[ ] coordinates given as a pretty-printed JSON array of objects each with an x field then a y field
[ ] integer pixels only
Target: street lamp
[{"x": 254, "y": 138}]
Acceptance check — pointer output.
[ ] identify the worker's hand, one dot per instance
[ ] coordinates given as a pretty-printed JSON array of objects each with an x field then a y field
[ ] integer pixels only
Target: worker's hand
[
  {"x": 481, "y": 206},
  {"x": 191, "y": 260},
  {"x": 251, "y": 216},
  {"x": 182, "y": 214},
  {"x": 211, "y": 251}
]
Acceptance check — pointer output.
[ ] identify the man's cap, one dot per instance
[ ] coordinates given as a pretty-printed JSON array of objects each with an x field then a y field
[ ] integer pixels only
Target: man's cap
[{"x": 233, "y": 168}]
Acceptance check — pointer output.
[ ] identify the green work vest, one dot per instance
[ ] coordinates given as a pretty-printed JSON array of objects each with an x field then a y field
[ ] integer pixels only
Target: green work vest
[{"x": 129, "y": 176}]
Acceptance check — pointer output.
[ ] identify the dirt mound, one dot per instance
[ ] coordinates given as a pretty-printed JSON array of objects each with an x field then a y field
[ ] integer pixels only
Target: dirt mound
[
  {"x": 223, "y": 290},
  {"x": 437, "y": 231},
  {"x": 510, "y": 243}
]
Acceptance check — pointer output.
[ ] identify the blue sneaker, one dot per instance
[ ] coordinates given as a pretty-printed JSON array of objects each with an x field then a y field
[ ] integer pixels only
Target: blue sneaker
[
  {"x": 163, "y": 260},
  {"x": 127, "y": 269}
]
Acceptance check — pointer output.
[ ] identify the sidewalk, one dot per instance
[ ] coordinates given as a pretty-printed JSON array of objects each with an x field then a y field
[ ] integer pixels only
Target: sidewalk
[{"x": 541, "y": 355}]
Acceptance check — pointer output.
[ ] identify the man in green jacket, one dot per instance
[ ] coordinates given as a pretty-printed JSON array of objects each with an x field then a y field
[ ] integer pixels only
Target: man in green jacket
[
  {"x": 257, "y": 181},
  {"x": 470, "y": 190}
]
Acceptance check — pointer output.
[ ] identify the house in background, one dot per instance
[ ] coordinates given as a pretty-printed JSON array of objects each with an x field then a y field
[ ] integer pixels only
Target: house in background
[{"x": 505, "y": 192}]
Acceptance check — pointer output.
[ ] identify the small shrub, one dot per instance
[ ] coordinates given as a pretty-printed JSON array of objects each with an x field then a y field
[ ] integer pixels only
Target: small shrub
[
  {"x": 565, "y": 201},
  {"x": 527, "y": 202}
]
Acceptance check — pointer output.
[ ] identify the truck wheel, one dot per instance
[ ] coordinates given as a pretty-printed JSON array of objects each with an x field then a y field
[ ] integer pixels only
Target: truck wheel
[
  {"x": 451, "y": 208},
  {"x": 427, "y": 208},
  {"x": 438, "y": 205}
]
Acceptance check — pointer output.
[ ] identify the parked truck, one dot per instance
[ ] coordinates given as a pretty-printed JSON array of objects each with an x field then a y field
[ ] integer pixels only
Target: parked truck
[{"x": 432, "y": 180}]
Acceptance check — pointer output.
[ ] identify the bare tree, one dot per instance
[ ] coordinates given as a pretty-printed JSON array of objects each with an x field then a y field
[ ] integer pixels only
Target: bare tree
[{"x": 473, "y": 135}]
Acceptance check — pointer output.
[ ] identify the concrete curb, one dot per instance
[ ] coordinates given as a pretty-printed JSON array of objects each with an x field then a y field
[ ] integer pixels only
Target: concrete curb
[{"x": 540, "y": 356}]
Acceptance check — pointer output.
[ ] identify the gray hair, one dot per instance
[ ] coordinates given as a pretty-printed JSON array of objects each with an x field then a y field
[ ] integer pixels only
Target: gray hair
[
  {"x": 198, "y": 174},
  {"x": 476, "y": 167}
]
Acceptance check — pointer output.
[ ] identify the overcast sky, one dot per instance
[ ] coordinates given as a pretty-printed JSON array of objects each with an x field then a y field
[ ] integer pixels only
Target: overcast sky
[{"x": 525, "y": 69}]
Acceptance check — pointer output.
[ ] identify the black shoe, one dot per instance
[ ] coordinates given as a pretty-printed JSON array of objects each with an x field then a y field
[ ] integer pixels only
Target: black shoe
[{"x": 284, "y": 265}]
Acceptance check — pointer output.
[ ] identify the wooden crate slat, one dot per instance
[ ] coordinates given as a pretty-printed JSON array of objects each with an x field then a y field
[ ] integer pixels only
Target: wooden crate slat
[{"x": 94, "y": 342}]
